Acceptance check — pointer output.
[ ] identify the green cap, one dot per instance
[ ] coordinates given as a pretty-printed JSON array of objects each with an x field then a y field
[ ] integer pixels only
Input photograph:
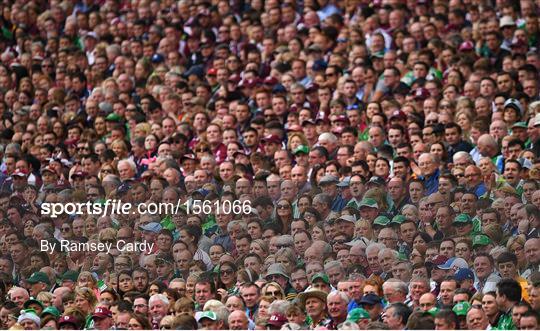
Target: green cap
[
  {"x": 322, "y": 276},
  {"x": 51, "y": 310},
  {"x": 70, "y": 275},
  {"x": 481, "y": 240},
  {"x": 463, "y": 219},
  {"x": 398, "y": 219},
  {"x": 357, "y": 314},
  {"x": 32, "y": 300},
  {"x": 368, "y": 202},
  {"x": 379, "y": 54},
  {"x": 433, "y": 311},
  {"x": 461, "y": 308},
  {"x": 39, "y": 277},
  {"x": 381, "y": 220},
  {"x": 520, "y": 125},
  {"x": 113, "y": 117},
  {"x": 301, "y": 149}
]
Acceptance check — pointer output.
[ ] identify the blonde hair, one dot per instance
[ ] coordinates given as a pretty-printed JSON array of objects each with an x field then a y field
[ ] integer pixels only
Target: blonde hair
[{"x": 87, "y": 293}]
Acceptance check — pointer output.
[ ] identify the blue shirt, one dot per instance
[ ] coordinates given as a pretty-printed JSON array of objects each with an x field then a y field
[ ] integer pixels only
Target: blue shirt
[{"x": 431, "y": 183}]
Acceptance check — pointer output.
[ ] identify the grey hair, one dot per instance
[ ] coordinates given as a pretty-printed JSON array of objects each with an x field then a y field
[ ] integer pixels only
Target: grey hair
[
  {"x": 348, "y": 325},
  {"x": 130, "y": 163},
  {"x": 279, "y": 306},
  {"x": 234, "y": 223},
  {"x": 344, "y": 297},
  {"x": 375, "y": 246},
  {"x": 397, "y": 285},
  {"x": 158, "y": 297},
  {"x": 333, "y": 264},
  {"x": 388, "y": 250},
  {"x": 328, "y": 136},
  {"x": 461, "y": 154}
]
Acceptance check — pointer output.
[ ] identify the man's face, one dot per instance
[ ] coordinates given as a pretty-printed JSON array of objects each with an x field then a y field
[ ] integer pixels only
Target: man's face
[
  {"x": 250, "y": 296},
  {"x": 203, "y": 293},
  {"x": 482, "y": 267},
  {"x": 336, "y": 307}
]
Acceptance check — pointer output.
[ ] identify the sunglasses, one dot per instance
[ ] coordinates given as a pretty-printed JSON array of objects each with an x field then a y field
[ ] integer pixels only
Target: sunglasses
[
  {"x": 283, "y": 206},
  {"x": 227, "y": 272},
  {"x": 273, "y": 293}
]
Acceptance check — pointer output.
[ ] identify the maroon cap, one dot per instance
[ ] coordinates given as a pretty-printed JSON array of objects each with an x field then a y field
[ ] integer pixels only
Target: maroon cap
[
  {"x": 48, "y": 168},
  {"x": 71, "y": 142},
  {"x": 102, "y": 312},
  {"x": 312, "y": 87},
  {"x": 249, "y": 83},
  {"x": 439, "y": 260},
  {"x": 272, "y": 138},
  {"x": 270, "y": 80},
  {"x": 234, "y": 78},
  {"x": 398, "y": 114},
  {"x": 466, "y": 46},
  {"x": 295, "y": 128},
  {"x": 189, "y": 156},
  {"x": 211, "y": 72},
  {"x": 323, "y": 118},
  {"x": 342, "y": 118},
  {"x": 277, "y": 319},
  {"x": 67, "y": 319},
  {"x": 79, "y": 174},
  {"x": 421, "y": 93}
]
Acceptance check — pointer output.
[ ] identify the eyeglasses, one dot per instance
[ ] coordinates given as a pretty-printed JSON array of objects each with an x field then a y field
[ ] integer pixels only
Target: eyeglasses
[
  {"x": 227, "y": 272},
  {"x": 65, "y": 229},
  {"x": 273, "y": 293},
  {"x": 165, "y": 327},
  {"x": 283, "y": 206}
]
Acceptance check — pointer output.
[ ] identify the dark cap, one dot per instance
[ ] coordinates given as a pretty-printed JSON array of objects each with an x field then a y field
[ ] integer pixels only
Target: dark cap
[{"x": 370, "y": 299}]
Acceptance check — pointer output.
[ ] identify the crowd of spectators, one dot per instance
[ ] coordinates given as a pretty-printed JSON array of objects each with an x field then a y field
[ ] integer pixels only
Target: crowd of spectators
[{"x": 384, "y": 155}]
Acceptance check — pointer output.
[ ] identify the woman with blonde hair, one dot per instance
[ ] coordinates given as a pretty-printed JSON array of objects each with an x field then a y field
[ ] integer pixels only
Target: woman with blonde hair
[
  {"x": 516, "y": 245},
  {"x": 273, "y": 289},
  {"x": 296, "y": 139},
  {"x": 85, "y": 300},
  {"x": 363, "y": 228},
  {"x": 287, "y": 258},
  {"x": 120, "y": 149},
  {"x": 142, "y": 130},
  {"x": 259, "y": 247}
]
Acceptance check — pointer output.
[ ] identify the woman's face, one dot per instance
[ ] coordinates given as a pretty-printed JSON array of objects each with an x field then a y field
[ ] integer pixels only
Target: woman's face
[
  {"x": 84, "y": 282},
  {"x": 273, "y": 291},
  {"x": 319, "y": 175},
  {"x": 134, "y": 325},
  {"x": 331, "y": 170},
  {"x": 262, "y": 311},
  {"x": 419, "y": 244},
  {"x": 371, "y": 160},
  {"x": 285, "y": 262},
  {"x": 228, "y": 275},
  {"x": 370, "y": 289},
  {"x": 436, "y": 149},
  {"x": 125, "y": 283},
  {"x": 90, "y": 227},
  {"x": 82, "y": 304},
  {"x": 99, "y": 126},
  {"x": 317, "y": 233},
  {"x": 295, "y": 142},
  {"x": 215, "y": 254},
  {"x": 283, "y": 208},
  {"x": 463, "y": 121},
  {"x": 150, "y": 143},
  {"x": 185, "y": 237},
  {"x": 362, "y": 229},
  {"x": 255, "y": 248},
  {"x": 28, "y": 228},
  {"x": 154, "y": 289},
  {"x": 518, "y": 250}
]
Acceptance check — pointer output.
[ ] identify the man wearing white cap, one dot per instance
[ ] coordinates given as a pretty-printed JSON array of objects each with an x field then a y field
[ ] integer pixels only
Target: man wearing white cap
[{"x": 29, "y": 320}]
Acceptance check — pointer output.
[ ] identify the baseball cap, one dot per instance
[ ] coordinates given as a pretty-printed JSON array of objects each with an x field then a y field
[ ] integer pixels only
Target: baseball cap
[
  {"x": 466, "y": 46},
  {"x": 506, "y": 21},
  {"x": 515, "y": 104},
  {"x": 19, "y": 172},
  {"x": 39, "y": 277},
  {"x": 370, "y": 299},
  {"x": 347, "y": 218},
  {"x": 68, "y": 319},
  {"x": 276, "y": 269},
  {"x": 271, "y": 138},
  {"x": 481, "y": 240},
  {"x": 368, "y": 202},
  {"x": 461, "y": 308},
  {"x": 301, "y": 149},
  {"x": 398, "y": 219},
  {"x": 453, "y": 262},
  {"x": 398, "y": 114},
  {"x": 328, "y": 179},
  {"x": 462, "y": 219},
  {"x": 277, "y": 319},
  {"x": 381, "y": 220},
  {"x": 102, "y": 312},
  {"x": 52, "y": 310},
  {"x": 438, "y": 260},
  {"x": 32, "y": 300},
  {"x": 151, "y": 227},
  {"x": 522, "y": 125},
  {"x": 357, "y": 314},
  {"x": 205, "y": 314},
  {"x": 321, "y": 276},
  {"x": 463, "y": 274},
  {"x": 345, "y": 182}
]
